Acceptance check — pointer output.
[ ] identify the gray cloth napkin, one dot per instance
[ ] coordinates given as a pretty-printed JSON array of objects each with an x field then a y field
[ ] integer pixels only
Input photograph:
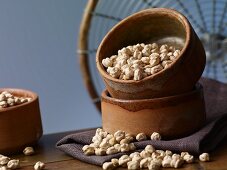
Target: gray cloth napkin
[{"x": 205, "y": 140}]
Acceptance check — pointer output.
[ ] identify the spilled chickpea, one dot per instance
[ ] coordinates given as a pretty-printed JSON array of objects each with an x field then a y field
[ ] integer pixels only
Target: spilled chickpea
[
  {"x": 150, "y": 158},
  {"x": 7, "y": 163}
]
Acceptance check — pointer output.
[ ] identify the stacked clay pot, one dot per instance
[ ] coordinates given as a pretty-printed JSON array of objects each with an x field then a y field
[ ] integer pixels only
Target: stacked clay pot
[{"x": 162, "y": 101}]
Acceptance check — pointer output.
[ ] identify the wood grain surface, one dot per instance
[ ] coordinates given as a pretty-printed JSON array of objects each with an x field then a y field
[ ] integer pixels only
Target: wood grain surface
[{"x": 55, "y": 159}]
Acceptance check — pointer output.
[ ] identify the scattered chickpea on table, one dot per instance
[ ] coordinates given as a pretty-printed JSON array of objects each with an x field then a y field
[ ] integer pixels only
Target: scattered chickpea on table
[{"x": 7, "y": 163}]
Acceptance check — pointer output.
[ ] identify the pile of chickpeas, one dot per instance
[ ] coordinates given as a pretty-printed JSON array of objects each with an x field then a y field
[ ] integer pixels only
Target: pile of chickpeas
[
  {"x": 7, "y": 99},
  {"x": 104, "y": 143},
  {"x": 139, "y": 61}
]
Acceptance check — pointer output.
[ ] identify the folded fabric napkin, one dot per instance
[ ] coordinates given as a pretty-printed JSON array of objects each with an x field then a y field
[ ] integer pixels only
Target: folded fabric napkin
[{"x": 205, "y": 140}]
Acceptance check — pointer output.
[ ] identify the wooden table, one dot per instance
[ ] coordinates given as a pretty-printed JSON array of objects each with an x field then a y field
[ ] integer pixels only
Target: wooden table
[{"x": 55, "y": 159}]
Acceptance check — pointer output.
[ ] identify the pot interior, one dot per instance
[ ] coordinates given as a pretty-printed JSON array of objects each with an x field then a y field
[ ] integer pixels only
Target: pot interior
[{"x": 145, "y": 27}]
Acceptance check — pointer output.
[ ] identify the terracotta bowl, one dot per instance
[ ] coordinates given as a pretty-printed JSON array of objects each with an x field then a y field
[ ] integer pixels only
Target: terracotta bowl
[
  {"x": 173, "y": 116},
  {"x": 20, "y": 125},
  {"x": 154, "y": 25}
]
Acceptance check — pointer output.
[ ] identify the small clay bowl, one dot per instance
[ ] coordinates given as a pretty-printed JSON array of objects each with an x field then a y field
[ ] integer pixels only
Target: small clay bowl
[
  {"x": 20, "y": 125},
  {"x": 154, "y": 25},
  {"x": 173, "y": 116}
]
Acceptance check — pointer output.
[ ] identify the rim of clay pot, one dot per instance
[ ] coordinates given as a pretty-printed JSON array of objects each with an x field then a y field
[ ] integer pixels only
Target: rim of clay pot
[
  {"x": 154, "y": 11},
  {"x": 21, "y": 92},
  {"x": 198, "y": 89}
]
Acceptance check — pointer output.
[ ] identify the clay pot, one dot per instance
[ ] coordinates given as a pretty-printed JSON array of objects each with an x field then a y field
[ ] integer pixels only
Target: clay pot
[
  {"x": 20, "y": 125},
  {"x": 154, "y": 25},
  {"x": 173, "y": 116}
]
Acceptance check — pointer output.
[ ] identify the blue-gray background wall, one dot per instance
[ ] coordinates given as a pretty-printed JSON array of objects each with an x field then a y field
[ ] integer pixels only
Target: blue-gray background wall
[{"x": 38, "y": 41}]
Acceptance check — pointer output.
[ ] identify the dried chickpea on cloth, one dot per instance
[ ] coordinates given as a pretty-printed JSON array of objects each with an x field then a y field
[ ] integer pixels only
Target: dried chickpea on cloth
[
  {"x": 104, "y": 143},
  {"x": 139, "y": 61}
]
